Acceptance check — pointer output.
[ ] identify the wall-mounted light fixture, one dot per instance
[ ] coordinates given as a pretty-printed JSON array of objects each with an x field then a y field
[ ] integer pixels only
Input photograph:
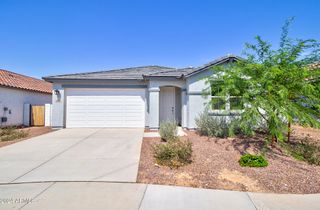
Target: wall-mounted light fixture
[{"x": 57, "y": 93}]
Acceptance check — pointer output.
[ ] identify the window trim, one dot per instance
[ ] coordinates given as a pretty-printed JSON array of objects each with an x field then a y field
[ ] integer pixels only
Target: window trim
[
  {"x": 227, "y": 105},
  {"x": 216, "y": 96},
  {"x": 230, "y": 103}
]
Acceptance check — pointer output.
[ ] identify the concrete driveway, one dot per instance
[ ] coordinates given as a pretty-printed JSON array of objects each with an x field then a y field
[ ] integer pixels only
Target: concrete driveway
[{"x": 74, "y": 155}]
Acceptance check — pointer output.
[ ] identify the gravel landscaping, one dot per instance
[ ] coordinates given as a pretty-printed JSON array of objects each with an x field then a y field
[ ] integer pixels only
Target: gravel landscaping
[{"x": 215, "y": 165}]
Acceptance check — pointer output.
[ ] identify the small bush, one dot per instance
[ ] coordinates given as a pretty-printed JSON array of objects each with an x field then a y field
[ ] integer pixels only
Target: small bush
[
  {"x": 205, "y": 124},
  {"x": 168, "y": 131},
  {"x": 6, "y": 131},
  {"x": 216, "y": 126},
  {"x": 174, "y": 153},
  {"x": 12, "y": 133},
  {"x": 249, "y": 160}
]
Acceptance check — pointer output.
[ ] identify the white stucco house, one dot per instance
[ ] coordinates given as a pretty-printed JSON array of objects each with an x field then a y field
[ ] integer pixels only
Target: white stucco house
[
  {"x": 131, "y": 97},
  {"x": 18, "y": 90}
]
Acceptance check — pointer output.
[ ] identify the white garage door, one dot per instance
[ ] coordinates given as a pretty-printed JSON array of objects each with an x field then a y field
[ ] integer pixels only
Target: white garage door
[{"x": 105, "y": 108}]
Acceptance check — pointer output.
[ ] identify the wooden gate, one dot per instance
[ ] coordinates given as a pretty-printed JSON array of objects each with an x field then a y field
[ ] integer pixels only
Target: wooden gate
[{"x": 37, "y": 115}]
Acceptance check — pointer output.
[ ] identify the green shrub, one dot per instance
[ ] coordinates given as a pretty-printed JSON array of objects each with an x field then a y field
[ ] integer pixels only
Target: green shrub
[
  {"x": 217, "y": 126},
  {"x": 205, "y": 124},
  {"x": 174, "y": 153},
  {"x": 253, "y": 161},
  {"x": 168, "y": 131},
  {"x": 12, "y": 133}
]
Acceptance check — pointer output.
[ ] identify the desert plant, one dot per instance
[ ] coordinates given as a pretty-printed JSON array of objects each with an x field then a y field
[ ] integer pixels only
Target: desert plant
[
  {"x": 173, "y": 153},
  {"x": 276, "y": 85},
  {"x": 216, "y": 126},
  {"x": 6, "y": 131},
  {"x": 12, "y": 133},
  {"x": 249, "y": 160},
  {"x": 205, "y": 124},
  {"x": 168, "y": 131}
]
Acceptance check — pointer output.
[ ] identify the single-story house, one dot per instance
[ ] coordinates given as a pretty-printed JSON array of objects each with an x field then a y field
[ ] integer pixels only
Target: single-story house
[
  {"x": 131, "y": 97},
  {"x": 16, "y": 91}
]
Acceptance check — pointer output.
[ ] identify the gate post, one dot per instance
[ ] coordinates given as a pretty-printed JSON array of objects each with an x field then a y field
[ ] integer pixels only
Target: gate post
[
  {"x": 47, "y": 115},
  {"x": 26, "y": 114}
]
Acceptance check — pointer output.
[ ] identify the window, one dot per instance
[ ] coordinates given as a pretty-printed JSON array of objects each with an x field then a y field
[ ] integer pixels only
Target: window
[
  {"x": 235, "y": 103},
  {"x": 218, "y": 102}
]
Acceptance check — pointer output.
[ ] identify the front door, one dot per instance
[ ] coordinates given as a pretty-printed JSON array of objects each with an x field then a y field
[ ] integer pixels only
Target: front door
[{"x": 167, "y": 104}]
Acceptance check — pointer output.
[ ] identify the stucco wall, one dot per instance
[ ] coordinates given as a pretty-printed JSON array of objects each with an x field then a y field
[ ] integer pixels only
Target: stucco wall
[
  {"x": 14, "y": 99},
  {"x": 195, "y": 99},
  {"x": 58, "y": 112},
  {"x": 163, "y": 82},
  {"x": 178, "y": 109},
  {"x": 193, "y": 103}
]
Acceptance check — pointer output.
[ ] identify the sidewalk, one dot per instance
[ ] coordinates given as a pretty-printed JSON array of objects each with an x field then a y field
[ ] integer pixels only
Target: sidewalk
[{"x": 132, "y": 196}]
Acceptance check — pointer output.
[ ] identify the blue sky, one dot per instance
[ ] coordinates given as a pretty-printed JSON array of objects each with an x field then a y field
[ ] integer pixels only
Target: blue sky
[{"x": 48, "y": 37}]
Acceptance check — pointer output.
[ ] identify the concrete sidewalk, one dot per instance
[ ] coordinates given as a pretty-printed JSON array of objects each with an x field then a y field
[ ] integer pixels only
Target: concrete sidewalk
[{"x": 131, "y": 196}]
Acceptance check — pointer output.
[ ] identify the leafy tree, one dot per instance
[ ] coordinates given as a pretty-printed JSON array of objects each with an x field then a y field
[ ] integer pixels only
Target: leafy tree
[{"x": 277, "y": 86}]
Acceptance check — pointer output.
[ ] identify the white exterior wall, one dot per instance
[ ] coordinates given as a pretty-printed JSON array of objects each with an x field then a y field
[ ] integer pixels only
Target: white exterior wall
[
  {"x": 154, "y": 95},
  {"x": 58, "y": 107},
  {"x": 15, "y": 99},
  {"x": 178, "y": 105},
  {"x": 184, "y": 108},
  {"x": 196, "y": 102}
]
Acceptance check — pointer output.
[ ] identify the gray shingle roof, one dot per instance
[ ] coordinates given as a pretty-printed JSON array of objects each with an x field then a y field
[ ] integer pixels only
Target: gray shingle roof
[
  {"x": 178, "y": 73},
  {"x": 139, "y": 73},
  {"x": 224, "y": 59},
  {"x": 125, "y": 73}
]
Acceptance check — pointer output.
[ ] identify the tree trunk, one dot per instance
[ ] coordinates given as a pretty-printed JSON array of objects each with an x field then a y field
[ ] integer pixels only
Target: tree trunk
[
  {"x": 289, "y": 131},
  {"x": 273, "y": 140}
]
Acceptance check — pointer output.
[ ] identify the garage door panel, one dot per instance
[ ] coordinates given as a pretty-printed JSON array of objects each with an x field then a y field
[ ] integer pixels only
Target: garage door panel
[
  {"x": 105, "y": 108},
  {"x": 133, "y": 108},
  {"x": 97, "y": 107}
]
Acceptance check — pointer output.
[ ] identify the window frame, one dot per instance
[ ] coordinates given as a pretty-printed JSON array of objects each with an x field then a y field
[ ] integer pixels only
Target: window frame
[
  {"x": 223, "y": 98},
  {"x": 239, "y": 104},
  {"x": 227, "y": 103}
]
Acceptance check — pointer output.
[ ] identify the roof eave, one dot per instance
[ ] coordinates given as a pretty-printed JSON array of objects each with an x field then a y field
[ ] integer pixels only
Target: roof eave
[
  {"x": 161, "y": 76},
  {"x": 25, "y": 89},
  {"x": 206, "y": 67},
  {"x": 48, "y": 79}
]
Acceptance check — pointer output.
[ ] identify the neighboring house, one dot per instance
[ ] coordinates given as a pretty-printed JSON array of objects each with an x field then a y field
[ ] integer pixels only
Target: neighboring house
[
  {"x": 131, "y": 97},
  {"x": 16, "y": 90}
]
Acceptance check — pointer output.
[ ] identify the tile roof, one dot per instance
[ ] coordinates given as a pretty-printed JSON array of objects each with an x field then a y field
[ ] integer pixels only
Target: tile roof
[
  {"x": 141, "y": 72},
  {"x": 315, "y": 65},
  {"x": 14, "y": 80}
]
